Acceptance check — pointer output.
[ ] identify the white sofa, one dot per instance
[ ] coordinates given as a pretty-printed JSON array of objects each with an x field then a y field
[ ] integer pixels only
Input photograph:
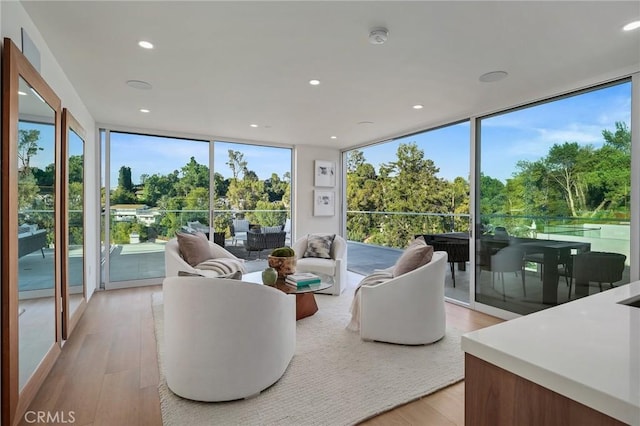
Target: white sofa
[
  {"x": 408, "y": 309},
  {"x": 173, "y": 261},
  {"x": 334, "y": 270},
  {"x": 225, "y": 339}
]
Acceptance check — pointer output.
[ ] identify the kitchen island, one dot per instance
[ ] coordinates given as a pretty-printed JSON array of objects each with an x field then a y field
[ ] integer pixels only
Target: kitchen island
[{"x": 576, "y": 363}]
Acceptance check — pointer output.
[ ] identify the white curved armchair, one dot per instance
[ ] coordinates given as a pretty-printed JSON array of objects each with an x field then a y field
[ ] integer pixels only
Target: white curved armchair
[
  {"x": 173, "y": 261},
  {"x": 408, "y": 309},
  {"x": 334, "y": 269},
  {"x": 225, "y": 339}
]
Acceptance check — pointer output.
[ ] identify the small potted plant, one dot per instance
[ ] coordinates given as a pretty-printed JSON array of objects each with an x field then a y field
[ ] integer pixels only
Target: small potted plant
[{"x": 283, "y": 260}]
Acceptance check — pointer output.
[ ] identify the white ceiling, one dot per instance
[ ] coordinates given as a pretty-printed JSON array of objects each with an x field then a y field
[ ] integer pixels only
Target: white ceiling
[{"x": 219, "y": 66}]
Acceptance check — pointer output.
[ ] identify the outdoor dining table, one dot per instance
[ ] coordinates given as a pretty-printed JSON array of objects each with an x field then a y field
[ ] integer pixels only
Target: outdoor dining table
[{"x": 553, "y": 250}]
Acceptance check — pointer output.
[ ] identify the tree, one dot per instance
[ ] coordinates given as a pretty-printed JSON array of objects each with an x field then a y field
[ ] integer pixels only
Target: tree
[
  {"x": 122, "y": 196},
  {"x": 609, "y": 174},
  {"x": 562, "y": 164},
  {"x": 124, "y": 179},
  {"x": 245, "y": 189},
  {"x": 27, "y": 183},
  {"x": 221, "y": 185},
  {"x": 197, "y": 199},
  {"x": 45, "y": 179},
  {"x": 492, "y": 196},
  {"x": 275, "y": 187},
  {"x": 194, "y": 176},
  {"x": 27, "y": 148},
  {"x": 269, "y": 213},
  {"x": 76, "y": 168},
  {"x": 621, "y": 139},
  {"x": 410, "y": 185},
  {"x": 364, "y": 194},
  {"x": 237, "y": 164},
  {"x": 156, "y": 187}
]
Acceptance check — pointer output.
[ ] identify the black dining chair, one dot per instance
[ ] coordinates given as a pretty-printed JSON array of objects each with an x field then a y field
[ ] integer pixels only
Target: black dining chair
[
  {"x": 457, "y": 252},
  {"x": 597, "y": 266}
]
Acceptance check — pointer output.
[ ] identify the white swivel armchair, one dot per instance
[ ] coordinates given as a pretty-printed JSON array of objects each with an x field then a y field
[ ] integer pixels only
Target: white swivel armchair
[
  {"x": 408, "y": 309},
  {"x": 225, "y": 339},
  {"x": 334, "y": 270},
  {"x": 174, "y": 263}
]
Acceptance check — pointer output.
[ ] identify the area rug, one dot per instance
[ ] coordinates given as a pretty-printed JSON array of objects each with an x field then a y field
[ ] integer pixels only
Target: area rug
[{"x": 335, "y": 378}]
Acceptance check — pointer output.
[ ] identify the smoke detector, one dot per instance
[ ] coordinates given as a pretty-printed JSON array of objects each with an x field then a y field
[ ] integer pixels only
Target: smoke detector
[{"x": 378, "y": 35}]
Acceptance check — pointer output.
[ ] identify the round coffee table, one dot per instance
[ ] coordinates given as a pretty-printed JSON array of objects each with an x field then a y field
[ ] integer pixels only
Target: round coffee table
[{"x": 305, "y": 301}]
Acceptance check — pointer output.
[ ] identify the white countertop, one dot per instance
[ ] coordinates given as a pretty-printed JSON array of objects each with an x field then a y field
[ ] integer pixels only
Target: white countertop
[{"x": 587, "y": 350}]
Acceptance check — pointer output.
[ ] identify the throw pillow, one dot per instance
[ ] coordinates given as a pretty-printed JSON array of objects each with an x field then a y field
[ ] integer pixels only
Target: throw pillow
[
  {"x": 194, "y": 248},
  {"x": 271, "y": 229},
  {"x": 319, "y": 245},
  {"x": 416, "y": 255}
]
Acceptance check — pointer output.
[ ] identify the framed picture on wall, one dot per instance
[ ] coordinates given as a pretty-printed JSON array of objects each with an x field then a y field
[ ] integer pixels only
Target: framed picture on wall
[
  {"x": 325, "y": 173},
  {"x": 324, "y": 203}
]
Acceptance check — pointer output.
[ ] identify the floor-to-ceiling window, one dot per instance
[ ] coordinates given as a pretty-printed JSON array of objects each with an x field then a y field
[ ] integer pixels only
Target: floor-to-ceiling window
[
  {"x": 252, "y": 196},
  {"x": 158, "y": 186},
  {"x": 413, "y": 185},
  {"x": 554, "y": 185}
]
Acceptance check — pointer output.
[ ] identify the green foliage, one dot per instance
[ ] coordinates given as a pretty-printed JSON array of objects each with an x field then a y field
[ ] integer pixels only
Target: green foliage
[
  {"x": 283, "y": 252},
  {"x": 194, "y": 176},
  {"x": 221, "y": 185},
  {"x": 27, "y": 148},
  {"x": 124, "y": 178},
  {"x": 76, "y": 168},
  {"x": 572, "y": 180},
  {"x": 399, "y": 198},
  {"x": 275, "y": 213},
  {"x": 158, "y": 188},
  {"x": 122, "y": 196}
]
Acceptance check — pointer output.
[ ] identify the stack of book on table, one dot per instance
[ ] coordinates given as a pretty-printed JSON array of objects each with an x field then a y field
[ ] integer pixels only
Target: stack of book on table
[{"x": 302, "y": 279}]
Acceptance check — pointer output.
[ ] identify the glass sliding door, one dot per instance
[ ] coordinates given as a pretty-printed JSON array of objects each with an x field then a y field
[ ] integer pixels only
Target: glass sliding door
[
  {"x": 554, "y": 184},
  {"x": 252, "y": 202},
  {"x": 414, "y": 185},
  {"x": 156, "y": 186}
]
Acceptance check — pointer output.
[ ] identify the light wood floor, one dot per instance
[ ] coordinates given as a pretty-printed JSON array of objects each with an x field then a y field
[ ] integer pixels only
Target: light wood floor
[{"x": 107, "y": 373}]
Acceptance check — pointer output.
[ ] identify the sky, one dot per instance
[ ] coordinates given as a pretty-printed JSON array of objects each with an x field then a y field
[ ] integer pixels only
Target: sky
[{"x": 525, "y": 134}]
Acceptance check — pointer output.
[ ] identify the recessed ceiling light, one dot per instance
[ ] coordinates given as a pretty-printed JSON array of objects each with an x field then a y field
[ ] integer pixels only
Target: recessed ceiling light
[
  {"x": 314, "y": 82},
  {"x": 365, "y": 122},
  {"x": 632, "y": 26},
  {"x": 493, "y": 76},
  {"x": 253, "y": 125},
  {"x": 145, "y": 44},
  {"x": 139, "y": 84},
  {"x": 21, "y": 93},
  {"x": 145, "y": 110},
  {"x": 418, "y": 106},
  {"x": 334, "y": 137}
]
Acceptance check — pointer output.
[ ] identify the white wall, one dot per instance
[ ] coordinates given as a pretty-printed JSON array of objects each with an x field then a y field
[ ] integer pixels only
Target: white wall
[
  {"x": 304, "y": 221},
  {"x": 13, "y": 17}
]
